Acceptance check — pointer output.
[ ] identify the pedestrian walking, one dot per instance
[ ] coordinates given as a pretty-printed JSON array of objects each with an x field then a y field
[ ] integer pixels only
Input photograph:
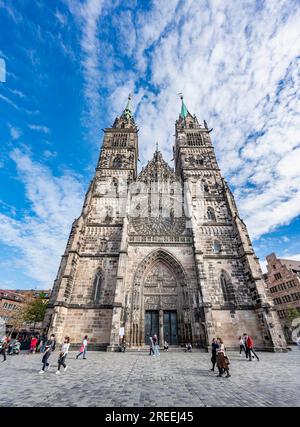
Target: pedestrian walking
[
  {"x": 250, "y": 346},
  {"x": 83, "y": 348},
  {"x": 222, "y": 359},
  {"x": 63, "y": 355},
  {"x": 33, "y": 344},
  {"x": 12, "y": 343},
  {"x": 188, "y": 347},
  {"x": 245, "y": 337},
  {"x": 49, "y": 348},
  {"x": 43, "y": 343},
  {"x": 298, "y": 342},
  {"x": 155, "y": 345},
  {"x": 242, "y": 345},
  {"x": 3, "y": 347},
  {"x": 214, "y": 347},
  {"x": 151, "y": 350}
]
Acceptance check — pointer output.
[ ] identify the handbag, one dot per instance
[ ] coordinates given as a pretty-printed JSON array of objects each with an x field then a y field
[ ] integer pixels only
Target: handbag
[{"x": 226, "y": 360}]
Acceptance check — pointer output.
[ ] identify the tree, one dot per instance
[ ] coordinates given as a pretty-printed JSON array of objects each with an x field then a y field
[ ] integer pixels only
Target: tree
[
  {"x": 18, "y": 317},
  {"x": 35, "y": 309},
  {"x": 291, "y": 314}
]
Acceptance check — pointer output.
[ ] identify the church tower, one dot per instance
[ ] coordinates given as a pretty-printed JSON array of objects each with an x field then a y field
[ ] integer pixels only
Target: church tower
[
  {"x": 163, "y": 251},
  {"x": 82, "y": 300},
  {"x": 233, "y": 293}
]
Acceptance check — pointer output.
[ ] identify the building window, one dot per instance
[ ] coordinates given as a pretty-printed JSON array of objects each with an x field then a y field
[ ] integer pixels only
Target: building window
[
  {"x": 211, "y": 214},
  {"x": 120, "y": 139},
  {"x": 5, "y": 305},
  {"x": 277, "y": 276},
  {"x": 227, "y": 287},
  {"x": 97, "y": 286},
  {"x": 296, "y": 296},
  {"x": 281, "y": 314},
  {"x": 216, "y": 247},
  {"x": 194, "y": 138},
  {"x": 117, "y": 163}
]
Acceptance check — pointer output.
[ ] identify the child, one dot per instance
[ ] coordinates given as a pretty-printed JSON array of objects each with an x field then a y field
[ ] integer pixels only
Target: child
[{"x": 63, "y": 355}]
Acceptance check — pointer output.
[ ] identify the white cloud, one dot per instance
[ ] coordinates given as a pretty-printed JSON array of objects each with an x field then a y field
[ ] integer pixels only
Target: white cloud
[
  {"x": 49, "y": 154},
  {"x": 9, "y": 101},
  {"x": 39, "y": 128},
  {"x": 238, "y": 67},
  {"x": 88, "y": 14},
  {"x": 40, "y": 237},
  {"x": 15, "y": 132}
]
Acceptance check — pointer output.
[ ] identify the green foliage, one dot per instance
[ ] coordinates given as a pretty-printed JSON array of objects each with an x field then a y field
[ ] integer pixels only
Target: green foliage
[
  {"x": 36, "y": 308},
  {"x": 291, "y": 314}
]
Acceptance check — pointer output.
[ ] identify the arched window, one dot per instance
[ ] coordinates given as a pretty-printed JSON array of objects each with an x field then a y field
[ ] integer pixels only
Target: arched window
[
  {"x": 97, "y": 287},
  {"x": 216, "y": 247},
  {"x": 117, "y": 163},
  {"x": 227, "y": 287},
  {"x": 115, "y": 186},
  {"x": 211, "y": 214}
]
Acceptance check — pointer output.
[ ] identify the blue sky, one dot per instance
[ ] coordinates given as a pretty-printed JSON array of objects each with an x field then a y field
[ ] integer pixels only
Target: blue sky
[{"x": 70, "y": 66}]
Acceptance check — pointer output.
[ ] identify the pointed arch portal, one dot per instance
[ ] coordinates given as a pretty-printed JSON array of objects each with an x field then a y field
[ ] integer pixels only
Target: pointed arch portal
[{"x": 160, "y": 301}]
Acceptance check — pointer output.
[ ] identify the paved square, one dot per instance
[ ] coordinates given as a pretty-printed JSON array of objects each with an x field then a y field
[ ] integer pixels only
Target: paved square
[{"x": 136, "y": 379}]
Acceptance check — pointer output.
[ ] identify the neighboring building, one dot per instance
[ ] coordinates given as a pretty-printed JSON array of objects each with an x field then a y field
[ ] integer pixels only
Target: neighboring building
[
  {"x": 35, "y": 293},
  {"x": 283, "y": 281},
  {"x": 10, "y": 301},
  {"x": 163, "y": 251}
]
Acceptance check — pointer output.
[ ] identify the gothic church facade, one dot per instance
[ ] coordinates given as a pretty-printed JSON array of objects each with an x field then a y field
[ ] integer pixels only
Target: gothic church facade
[{"x": 163, "y": 251}]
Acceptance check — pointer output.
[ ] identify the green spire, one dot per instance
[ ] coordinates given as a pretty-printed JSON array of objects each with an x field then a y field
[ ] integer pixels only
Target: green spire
[
  {"x": 184, "y": 110},
  {"x": 127, "y": 112}
]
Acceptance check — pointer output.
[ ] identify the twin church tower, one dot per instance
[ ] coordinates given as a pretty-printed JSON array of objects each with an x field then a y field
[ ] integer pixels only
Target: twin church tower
[{"x": 163, "y": 251}]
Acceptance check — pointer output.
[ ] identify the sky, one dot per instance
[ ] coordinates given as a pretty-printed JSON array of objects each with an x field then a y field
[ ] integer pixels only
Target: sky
[{"x": 70, "y": 66}]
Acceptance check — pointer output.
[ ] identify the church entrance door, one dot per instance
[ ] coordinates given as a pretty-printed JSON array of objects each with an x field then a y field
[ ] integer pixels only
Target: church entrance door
[
  {"x": 151, "y": 324},
  {"x": 170, "y": 327}
]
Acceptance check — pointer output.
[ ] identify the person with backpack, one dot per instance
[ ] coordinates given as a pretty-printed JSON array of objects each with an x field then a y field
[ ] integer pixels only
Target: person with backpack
[
  {"x": 83, "y": 348},
  {"x": 49, "y": 348},
  {"x": 63, "y": 355}
]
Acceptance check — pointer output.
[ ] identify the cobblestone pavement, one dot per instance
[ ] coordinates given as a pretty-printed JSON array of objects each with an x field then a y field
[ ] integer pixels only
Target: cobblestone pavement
[{"x": 136, "y": 379}]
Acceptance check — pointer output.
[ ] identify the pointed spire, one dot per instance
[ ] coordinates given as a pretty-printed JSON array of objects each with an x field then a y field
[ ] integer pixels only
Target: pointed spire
[
  {"x": 157, "y": 147},
  {"x": 184, "y": 111},
  {"x": 127, "y": 112}
]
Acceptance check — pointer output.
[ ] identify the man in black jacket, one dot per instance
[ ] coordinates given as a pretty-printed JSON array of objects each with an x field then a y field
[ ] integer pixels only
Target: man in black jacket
[{"x": 50, "y": 346}]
